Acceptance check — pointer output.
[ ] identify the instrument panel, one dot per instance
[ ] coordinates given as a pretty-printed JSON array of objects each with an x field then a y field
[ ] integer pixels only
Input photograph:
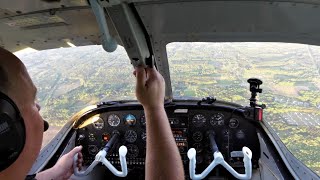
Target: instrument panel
[{"x": 189, "y": 124}]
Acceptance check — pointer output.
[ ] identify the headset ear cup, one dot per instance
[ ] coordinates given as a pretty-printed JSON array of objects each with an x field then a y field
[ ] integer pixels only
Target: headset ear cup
[{"x": 12, "y": 132}]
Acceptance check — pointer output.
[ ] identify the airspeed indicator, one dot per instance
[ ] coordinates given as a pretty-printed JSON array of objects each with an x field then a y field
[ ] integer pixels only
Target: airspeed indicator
[{"x": 113, "y": 120}]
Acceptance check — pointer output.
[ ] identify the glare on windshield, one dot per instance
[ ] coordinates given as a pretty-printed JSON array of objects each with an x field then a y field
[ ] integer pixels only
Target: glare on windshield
[{"x": 69, "y": 79}]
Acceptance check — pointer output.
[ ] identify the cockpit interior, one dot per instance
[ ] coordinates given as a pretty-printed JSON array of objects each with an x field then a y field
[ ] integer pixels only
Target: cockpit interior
[{"x": 216, "y": 139}]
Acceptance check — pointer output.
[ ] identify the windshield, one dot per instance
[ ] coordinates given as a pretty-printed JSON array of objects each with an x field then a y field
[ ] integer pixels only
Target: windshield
[
  {"x": 69, "y": 79},
  {"x": 291, "y": 83}
]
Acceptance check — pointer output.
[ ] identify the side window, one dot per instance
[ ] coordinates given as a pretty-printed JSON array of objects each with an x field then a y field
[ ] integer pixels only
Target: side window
[
  {"x": 69, "y": 79},
  {"x": 291, "y": 85}
]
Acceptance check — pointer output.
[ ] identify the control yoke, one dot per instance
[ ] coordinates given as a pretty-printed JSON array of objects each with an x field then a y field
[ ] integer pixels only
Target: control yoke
[
  {"x": 218, "y": 159},
  {"x": 101, "y": 157}
]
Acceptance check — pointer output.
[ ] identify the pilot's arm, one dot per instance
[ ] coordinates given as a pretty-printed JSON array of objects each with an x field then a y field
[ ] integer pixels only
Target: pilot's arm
[
  {"x": 63, "y": 169},
  {"x": 163, "y": 160}
]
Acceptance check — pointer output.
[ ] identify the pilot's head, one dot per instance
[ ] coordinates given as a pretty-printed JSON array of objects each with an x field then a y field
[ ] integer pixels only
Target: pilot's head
[{"x": 16, "y": 83}]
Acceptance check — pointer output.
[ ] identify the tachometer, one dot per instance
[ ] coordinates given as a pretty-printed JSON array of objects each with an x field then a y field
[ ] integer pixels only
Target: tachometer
[
  {"x": 113, "y": 120},
  {"x": 198, "y": 120},
  {"x": 217, "y": 119},
  {"x": 97, "y": 122},
  {"x": 130, "y": 136}
]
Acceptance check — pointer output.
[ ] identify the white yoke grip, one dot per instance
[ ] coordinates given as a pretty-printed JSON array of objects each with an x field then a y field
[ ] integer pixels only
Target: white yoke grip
[
  {"x": 100, "y": 157},
  {"x": 218, "y": 159}
]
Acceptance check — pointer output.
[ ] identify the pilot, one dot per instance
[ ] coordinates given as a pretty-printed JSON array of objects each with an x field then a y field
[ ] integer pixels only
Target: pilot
[
  {"x": 19, "y": 115},
  {"x": 21, "y": 126}
]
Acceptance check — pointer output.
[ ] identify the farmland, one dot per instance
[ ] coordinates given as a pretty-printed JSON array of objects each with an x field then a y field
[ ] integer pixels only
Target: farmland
[{"x": 69, "y": 79}]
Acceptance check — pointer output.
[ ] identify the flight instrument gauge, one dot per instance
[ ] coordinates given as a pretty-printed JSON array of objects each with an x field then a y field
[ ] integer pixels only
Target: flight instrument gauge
[
  {"x": 233, "y": 123},
  {"x": 198, "y": 120},
  {"x": 217, "y": 119},
  {"x": 130, "y": 120},
  {"x": 97, "y": 122},
  {"x": 197, "y": 136},
  {"x": 113, "y": 120},
  {"x": 133, "y": 150},
  {"x": 130, "y": 136}
]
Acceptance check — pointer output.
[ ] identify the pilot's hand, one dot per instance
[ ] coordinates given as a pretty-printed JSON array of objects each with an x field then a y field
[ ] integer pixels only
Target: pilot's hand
[
  {"x": 150, "y": 88},
  {"x": 64, "y": 167}
]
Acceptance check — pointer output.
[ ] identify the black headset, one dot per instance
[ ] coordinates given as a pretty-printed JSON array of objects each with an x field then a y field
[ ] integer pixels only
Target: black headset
[{"x": 12, "y": 132}]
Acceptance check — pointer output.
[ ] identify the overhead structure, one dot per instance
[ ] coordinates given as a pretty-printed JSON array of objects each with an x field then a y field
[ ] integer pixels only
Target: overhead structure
[{"x": 145, "y": 27}]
